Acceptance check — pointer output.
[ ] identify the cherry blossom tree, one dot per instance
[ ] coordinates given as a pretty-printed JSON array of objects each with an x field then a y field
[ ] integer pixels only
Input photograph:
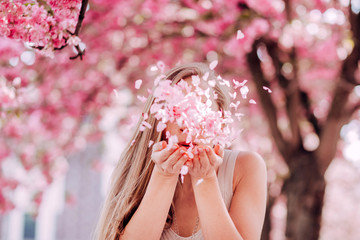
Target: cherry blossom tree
[{"x": 301, "y": 59}]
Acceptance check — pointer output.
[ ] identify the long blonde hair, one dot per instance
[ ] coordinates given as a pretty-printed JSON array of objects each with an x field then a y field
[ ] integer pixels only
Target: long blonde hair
[{"x": 131, "y": 176}]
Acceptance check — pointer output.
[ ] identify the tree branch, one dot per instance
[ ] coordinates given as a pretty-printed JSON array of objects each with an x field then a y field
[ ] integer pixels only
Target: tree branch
[
  {"x": 84, "y": 5},
  {"x": 266, "y": 101},
  {"x": 81, "y": 17},
  {"x": 305, "y": 101},
  {"x": 290, "y": 87},
  {"x": 338, "y": 115}
]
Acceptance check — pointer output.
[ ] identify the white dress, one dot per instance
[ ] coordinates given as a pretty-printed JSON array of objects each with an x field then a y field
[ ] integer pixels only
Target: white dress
[{"x": 225, "y": 179}]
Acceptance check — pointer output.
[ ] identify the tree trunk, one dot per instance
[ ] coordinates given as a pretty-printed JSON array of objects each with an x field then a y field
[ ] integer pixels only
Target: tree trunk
[
  {"x": 304, "y": 190},
  {"x": 265, "y": 235}
]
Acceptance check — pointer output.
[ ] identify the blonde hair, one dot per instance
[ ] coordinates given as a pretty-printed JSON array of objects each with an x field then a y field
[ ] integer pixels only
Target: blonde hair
[{"x": 131, "y": 176}]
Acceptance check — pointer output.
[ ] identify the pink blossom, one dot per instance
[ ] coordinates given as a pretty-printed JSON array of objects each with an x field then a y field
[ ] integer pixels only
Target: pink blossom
[{"x": 138, "y": 84}]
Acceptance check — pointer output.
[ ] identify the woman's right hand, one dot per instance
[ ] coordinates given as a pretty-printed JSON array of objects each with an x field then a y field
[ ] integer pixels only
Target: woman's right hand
[{"x": 168, "y": 160}]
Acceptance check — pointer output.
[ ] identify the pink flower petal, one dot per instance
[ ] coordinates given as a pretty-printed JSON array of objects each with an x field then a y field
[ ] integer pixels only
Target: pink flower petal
[
  {"x": 235, "y": 105},
  {"x": 161, "y": 66},
  {"x": 199, "y": 181},
  {"x": 239, "y": 35},
  {"x": 146, "y": 124},
  {"x": 195, "y": 80},
  {"x": 267, "y": 89},
  {"x": 141, "y": 98},
  {"x": 206, "y": 76},
  {"x": 244, "y": 91},
  {"x": 160, "y": 127},
  {"x": 252, "y": 101},
  {"x": 212, "y": 83},
  {"x": 213, "y": 64},
  {"x": 116, "y": 93},
  {"x": 151, "y": 142},
  {"x": 239, "y": 115},
  {"x": 184, "y": 170},
  {"x": 138, "y": 84},
  {"x": 238, "y": 84}
]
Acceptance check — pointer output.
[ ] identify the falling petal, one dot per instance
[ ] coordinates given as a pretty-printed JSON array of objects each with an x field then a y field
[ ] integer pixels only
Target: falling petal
[
  {"x": 145, "y": 116},
  {"x": 155, "y": 108},
  {"x": 184, "y": 170},
  {"x": 151, "y": 143},
  {"x": 252, "y": 101},
  {"x": 160, "y": 127},
  {"x": 235, "y": 105},
  {"x": 239, "y": 115},
  {"x": 153, "y": 68},
  {"x": 191, "y": 155},
  {"x": 232, "y": 95},
  {"x": 213, "y": 64},
  {"x": 199, "y": 181},
  {"x": 215, "y": 96},
  {"x": 146, "y": 124},
  {"x": 267, "y": 89},
  {"x": 173, "y": 140},
  {"x": 206, "y": 76},
  {"x": 212, "y": 83},
  {"x": 132, "y": 142},
  {"x": 116, "y": 93},
  {"x": 225, "y": 82},
  {"x": 244, "y": 91},
  {"x": 239, "y": 35},
  {"x": 195, "y": 80},
  {"x": 138, "y": 84},
  {"x": 161, "y": 66},
  {"x": 141, "y": 98},
  {"x": 158, "y": 78}
]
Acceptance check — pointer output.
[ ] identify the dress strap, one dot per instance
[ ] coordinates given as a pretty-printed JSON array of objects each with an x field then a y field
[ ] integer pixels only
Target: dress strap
[{"x": 226, "y": 175}]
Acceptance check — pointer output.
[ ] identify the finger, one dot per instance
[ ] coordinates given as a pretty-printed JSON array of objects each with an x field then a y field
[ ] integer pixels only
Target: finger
[
  {"x": 164, "y": 154},
  {"x": 159, "y": 146},
  {"x": 219, "y": 150},
  {"x": 189, "y": 162},
  {"x": 175, "y": 156},
  {"x": 204, "y": 161},
  {"x": 211, "y": 156},
  {"x": 181, "y": 162},
  {"x": 196, "y": 160}
]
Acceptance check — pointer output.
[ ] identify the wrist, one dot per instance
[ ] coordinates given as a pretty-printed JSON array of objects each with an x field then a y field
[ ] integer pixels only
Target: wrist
[
  {"x": 165, "y": 176},
  {"x": 208, "y": 178}
]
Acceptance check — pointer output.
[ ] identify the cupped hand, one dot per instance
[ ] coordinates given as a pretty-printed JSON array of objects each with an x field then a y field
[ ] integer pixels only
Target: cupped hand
[
  {"x": 168, "y": 159},
  {"x": 205, "y": 162}
]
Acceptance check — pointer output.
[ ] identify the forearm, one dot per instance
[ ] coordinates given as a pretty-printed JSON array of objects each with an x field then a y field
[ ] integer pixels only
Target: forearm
[
  {"x": 215, "y": 220},
  {"x": 149, "y": 219}
]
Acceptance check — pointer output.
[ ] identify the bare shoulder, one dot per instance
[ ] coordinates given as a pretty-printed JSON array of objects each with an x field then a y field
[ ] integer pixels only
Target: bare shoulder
[{"x": 248, "y": 165}]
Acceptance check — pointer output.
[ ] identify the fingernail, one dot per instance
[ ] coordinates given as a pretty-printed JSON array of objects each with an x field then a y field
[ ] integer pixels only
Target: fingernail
[
  {"x": 200, "y": 150},
  {"x": 207, "y": 149},
  {"x": 182, "y": 151}
]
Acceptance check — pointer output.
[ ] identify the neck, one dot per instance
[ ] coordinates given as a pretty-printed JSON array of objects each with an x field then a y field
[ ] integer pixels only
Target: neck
[{"x": 186, "y": 188}]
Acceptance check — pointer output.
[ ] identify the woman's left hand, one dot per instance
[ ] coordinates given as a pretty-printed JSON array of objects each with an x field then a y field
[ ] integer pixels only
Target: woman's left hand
[{"x": 205, "y": 162}]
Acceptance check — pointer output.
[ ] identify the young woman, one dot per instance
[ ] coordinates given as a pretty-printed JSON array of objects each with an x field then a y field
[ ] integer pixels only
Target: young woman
[{"x": 223, "y": 196}]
